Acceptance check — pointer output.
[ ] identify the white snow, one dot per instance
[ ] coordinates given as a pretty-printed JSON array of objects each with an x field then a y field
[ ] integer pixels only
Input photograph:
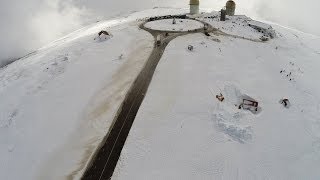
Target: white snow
[
  {"x": 259, "y": 24},
  {"x": 183, "y": 132},
  {"x": 57, "y": 104},
  {"x": 234, "y": 25},
  {"x": 180, "y": 25}
]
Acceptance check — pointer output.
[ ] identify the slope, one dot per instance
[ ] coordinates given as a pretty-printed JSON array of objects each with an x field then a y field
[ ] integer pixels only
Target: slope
[{"x": 183, "y": 132}]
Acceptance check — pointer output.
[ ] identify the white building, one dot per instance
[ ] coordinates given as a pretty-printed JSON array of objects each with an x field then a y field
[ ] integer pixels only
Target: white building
[{"x": 194, "y": 6}]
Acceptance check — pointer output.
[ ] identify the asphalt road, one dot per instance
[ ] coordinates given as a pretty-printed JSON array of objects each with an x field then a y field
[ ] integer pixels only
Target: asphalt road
[{"x": 105, "y": 160}]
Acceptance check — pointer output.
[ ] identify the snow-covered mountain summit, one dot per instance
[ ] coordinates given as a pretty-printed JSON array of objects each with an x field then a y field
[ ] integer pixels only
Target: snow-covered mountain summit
[{"x": 58, "y": 103}]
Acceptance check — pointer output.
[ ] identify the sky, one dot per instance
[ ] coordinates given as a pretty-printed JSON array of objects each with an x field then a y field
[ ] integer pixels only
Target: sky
[{"x": 29, "y": 24}]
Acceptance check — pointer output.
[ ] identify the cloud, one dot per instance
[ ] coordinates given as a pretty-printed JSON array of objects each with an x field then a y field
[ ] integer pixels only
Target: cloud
[
  {"x": 28, "y": 25},
  {"x": 297, "y": 14}
]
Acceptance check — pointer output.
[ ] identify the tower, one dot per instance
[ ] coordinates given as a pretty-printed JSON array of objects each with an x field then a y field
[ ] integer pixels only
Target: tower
[
  {"x": 230, "y": 7},
  {"x": 194, "y": 6}
]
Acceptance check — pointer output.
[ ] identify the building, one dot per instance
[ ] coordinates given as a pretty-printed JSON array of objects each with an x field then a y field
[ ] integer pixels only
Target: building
[
  {"x": 194, "y": 6},
  {"x": 230, "y": 7}
]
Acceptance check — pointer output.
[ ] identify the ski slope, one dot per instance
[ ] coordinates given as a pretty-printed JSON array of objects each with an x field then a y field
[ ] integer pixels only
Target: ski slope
[{"x": 183, "y": 132}]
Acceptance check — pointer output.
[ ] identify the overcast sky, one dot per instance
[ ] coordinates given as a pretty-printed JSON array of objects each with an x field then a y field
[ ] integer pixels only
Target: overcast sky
[{"x": 29, "y": 24}]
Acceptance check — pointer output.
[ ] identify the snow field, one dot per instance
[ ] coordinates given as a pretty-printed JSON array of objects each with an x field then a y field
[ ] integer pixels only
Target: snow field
[
  {"x": 58, "y": 102},
  {"x": 57, "y": 105},
  {"x": 237, "y": 25},
  {"x": 183, "y": 132},
  {"x": 167, "y": 25}
]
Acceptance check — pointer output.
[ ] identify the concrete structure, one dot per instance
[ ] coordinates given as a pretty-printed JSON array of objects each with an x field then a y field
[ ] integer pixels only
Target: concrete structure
[
  {"x": 194, "y": 6},
  {"x": 230, "y": 7},
  {"x": 223, "y": 15}
]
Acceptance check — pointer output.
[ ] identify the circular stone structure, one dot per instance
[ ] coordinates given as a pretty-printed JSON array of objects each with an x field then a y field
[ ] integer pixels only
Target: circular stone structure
[{"x": 174, "y": 25}]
